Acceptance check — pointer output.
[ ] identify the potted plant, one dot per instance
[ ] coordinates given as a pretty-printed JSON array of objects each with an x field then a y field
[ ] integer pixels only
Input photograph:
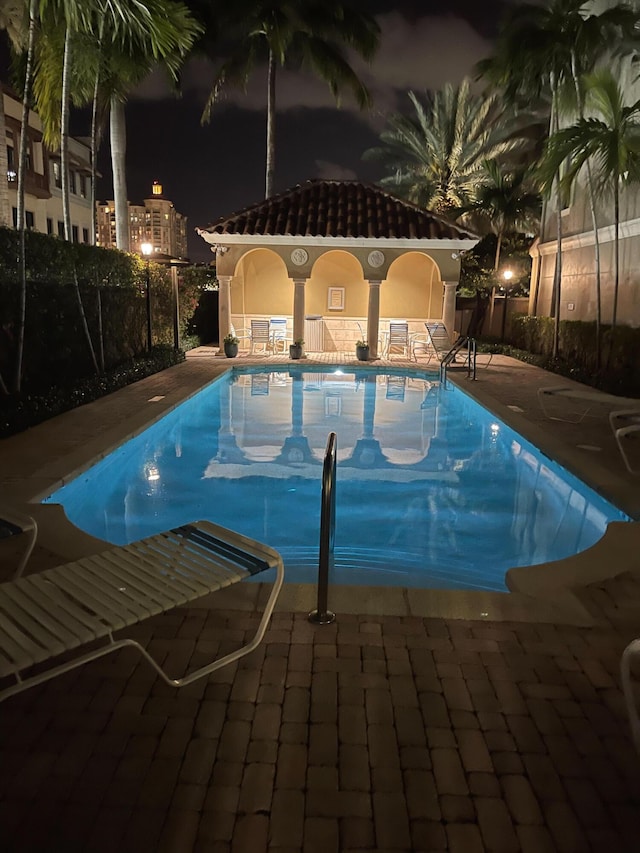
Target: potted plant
[
  {"x": 230, "y": 344},
  {"x": 362, "y": 351},
  {"x": 295, "y": 349}
]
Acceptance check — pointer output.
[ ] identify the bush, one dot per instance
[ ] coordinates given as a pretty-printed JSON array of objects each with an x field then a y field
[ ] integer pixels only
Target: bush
[{"x": 19, "y": 413}]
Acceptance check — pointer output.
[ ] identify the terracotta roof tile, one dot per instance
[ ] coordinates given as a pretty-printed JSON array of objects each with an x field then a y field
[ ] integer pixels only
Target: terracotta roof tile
[{"x": 338, "y": 209}]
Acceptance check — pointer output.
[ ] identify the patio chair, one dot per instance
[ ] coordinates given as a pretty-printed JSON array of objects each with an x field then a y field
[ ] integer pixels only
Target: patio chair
[
  {"x": 69, "y": 607},
  {"x": 631, "y": 652},
  {"x": 278, "y": 331},
  {"x": 241, "y": 335},
  {"x": 399, "y": 339},
  {"x": 14, "y": 523},
  {"x": 260, "y": 335}
]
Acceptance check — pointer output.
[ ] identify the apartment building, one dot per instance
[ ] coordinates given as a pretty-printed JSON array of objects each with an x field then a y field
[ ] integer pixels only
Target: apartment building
[
  {"x": 156, "y": 222},
  {"x": 43, "y": 177}
]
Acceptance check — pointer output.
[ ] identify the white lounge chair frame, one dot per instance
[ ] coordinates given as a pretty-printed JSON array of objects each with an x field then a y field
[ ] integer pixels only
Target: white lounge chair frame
[
  {"x": 61, "y": 609},
  {"x": 21, "y": 523},
  {"x": 631, "y": 651},
  {"x": 589, "y": 399},
  {"x": 625, "y": 424}
]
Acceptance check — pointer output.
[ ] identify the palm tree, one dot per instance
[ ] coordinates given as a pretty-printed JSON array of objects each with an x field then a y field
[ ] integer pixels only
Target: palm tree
[
  {"x": 545, "y": 48},
  {"x": 109, "y": 59},
  {"x": 436, "y": 156},
  {"x": 505, "y": 201},
  {"x": 295, "y": 34},
  {"x": 609, "y": 142}
]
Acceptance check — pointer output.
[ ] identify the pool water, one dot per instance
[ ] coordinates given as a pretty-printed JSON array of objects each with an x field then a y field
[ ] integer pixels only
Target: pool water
[{"x": 433, "y": 491}]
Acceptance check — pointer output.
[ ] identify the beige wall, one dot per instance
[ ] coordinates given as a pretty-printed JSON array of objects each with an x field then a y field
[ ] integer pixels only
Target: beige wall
[
  {"x": 337, "y": 269},
  {"x": 261, "y": 286},
  {"x": 413, "y": 289}
]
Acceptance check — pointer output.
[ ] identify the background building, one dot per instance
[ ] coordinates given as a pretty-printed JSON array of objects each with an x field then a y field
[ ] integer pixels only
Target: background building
[
  {"x": 578, "y": 287},
  {"x": 156, "y": 222},
  {"x": 43, "y": 178}
]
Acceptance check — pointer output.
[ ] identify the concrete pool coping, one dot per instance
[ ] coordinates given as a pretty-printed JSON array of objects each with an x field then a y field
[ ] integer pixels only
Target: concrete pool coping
[{"x": 39, "y": 460}]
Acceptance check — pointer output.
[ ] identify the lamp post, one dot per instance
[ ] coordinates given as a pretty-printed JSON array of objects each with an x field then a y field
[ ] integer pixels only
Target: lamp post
[
  {"x": 146, "y": 249},
  {"x": 507, "y": 275}
]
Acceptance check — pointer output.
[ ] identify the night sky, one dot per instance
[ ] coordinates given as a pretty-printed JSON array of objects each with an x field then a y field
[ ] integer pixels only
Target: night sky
[{"x": 213, "y": 170}]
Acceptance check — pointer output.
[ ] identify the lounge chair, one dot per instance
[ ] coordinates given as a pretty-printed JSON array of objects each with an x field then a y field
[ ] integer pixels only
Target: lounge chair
[
  {"x": 631, "y": 651},
  {"x": 14, "y": 523},
  {"x": 588, "y": 398},
  {"x": 435, "y": 342},
  {"x": 63, "y": 609},
  {"x": 625, "y": 424}
]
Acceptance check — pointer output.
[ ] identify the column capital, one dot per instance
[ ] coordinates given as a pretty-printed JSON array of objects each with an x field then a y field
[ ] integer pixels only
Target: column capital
[
  {"x": 297, "y": 280},
  {"x": 374, "y": 282},
  {"x": 224, "y": 279}
]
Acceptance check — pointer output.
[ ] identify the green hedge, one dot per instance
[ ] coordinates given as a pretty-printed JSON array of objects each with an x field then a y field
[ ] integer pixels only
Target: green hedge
[
  {"x": 112, "y": 287},
  {"x": 577, "y": 354},
  {"x": 19, "y": 413}
]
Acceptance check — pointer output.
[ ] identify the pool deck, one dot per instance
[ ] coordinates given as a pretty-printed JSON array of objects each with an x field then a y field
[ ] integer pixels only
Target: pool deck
[{"x": 419, "y": 721}]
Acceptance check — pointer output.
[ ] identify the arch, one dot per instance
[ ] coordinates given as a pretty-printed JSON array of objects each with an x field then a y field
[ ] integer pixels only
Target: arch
[
  {"x": 261, "y": 285},
  {"x": 337, "y": 268},
  {"x": 413, "y": 288}
]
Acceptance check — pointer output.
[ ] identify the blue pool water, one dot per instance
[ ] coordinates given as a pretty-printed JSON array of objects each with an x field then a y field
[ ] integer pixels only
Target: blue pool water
[{"x": 432, "y": 490}]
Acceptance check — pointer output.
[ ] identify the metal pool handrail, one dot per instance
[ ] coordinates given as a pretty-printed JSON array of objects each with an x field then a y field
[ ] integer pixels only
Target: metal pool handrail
[
  {"x": 321, "y": 615},
  {"x": 455, "y": 349}
]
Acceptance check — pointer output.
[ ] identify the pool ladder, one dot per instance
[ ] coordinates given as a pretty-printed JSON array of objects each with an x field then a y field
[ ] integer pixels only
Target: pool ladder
[
  {"x": 455, "y": 349},
  {"x": 322, "y": 616}
]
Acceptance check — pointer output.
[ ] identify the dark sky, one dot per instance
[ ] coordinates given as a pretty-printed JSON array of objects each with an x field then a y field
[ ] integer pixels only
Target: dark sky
[{"x": 213, "y": 170}]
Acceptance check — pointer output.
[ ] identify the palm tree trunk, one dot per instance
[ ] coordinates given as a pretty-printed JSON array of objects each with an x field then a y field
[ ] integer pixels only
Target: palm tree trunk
[
  {"x": 5, "y": 208},
  {"x": 616, "y": 254},
  {"x": 64, "y": 136},
  {"x": 493, "y": 289},
  {"x": 271, "y": 125},
  {"x": 557, "y": 276},
  {"x": 22, "y": 167},
  {"x": 95, "y": 142},
  {"x": 594, "y": 220},
  {"x": 118, "y": 152}
]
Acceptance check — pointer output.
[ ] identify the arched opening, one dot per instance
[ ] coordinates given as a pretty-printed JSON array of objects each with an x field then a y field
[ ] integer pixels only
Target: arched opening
[
  {"x": 413, "y": 289},
  {"x": 336, "y": 299},
  {"x": 260, "y": 289}
]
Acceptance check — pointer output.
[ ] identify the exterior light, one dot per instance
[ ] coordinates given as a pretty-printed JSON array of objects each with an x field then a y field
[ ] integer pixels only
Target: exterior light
[
  {"x": 146, "y": 249},
  {"x": 507, "y": 275}
]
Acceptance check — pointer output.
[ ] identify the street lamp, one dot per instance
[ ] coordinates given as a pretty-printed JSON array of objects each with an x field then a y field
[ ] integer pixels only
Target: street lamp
[
  {"x": 146, "y": 249},
  {"x": 507, "y": 275}
]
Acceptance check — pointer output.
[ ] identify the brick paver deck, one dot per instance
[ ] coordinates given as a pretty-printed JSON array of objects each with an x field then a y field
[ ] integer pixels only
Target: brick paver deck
[{"x": 385, "y": 733}]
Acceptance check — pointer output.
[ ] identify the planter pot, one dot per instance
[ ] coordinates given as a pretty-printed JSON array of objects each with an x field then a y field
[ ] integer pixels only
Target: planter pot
[
  {"x": 231, "y": 350},
  {"x": 295, "y": 351},
  {"x": 362, "y": 353}
]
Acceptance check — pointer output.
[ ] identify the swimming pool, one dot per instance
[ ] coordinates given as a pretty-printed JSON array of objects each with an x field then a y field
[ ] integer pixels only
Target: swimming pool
[{"x": 433, "y": 491}]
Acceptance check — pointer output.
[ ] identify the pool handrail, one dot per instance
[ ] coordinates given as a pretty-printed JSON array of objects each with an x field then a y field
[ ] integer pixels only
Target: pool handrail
[{"x": 321, "y": 615}]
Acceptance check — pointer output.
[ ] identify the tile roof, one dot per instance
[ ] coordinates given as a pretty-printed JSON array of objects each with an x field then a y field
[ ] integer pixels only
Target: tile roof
[{"x": 321, "y": 208}]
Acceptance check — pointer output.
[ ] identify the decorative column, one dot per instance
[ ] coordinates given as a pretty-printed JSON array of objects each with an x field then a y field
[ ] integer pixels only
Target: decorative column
[
  {"x": 224, "y": 306},
  {"x": 298, "y": 308},
  {"x": 373, "y": 317},
  {"x": 449, "y": 307}
]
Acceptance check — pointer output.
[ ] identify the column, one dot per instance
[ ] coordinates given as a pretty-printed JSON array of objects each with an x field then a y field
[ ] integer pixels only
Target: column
[
  {"x": 224, "y": 306},
  {"x": 298, "y": 308},
  {"x": 449, "y": 307},
  {"x": 373, "y": 318}
]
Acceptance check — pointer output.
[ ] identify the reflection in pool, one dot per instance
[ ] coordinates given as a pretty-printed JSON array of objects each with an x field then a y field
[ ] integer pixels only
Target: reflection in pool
[{"x": 432, "y": 490}]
